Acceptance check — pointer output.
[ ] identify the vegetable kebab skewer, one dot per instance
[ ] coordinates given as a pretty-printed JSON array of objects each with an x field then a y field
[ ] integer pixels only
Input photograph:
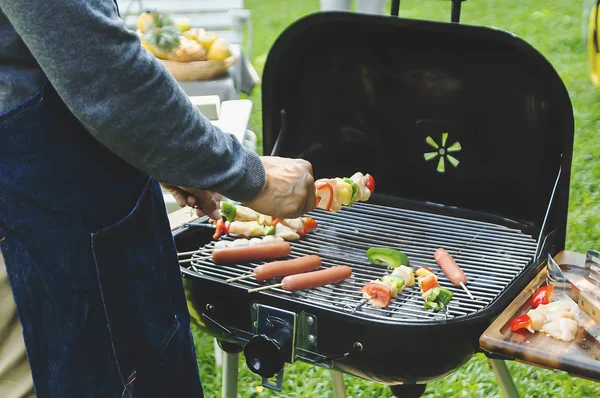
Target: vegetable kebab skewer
[
  {"x": 434, "y": 296},
  {"x": 243, "y": 221},
  {"x": 333, "y": 193},
  {"x": 379, "y": 293}
]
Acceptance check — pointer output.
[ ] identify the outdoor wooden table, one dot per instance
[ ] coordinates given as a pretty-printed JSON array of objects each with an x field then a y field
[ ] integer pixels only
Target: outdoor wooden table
[{"x": 579, "y": 357}]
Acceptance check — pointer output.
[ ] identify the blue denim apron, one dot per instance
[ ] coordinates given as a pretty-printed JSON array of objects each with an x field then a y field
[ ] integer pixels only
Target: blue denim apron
[{"x": 91, "y": 262}]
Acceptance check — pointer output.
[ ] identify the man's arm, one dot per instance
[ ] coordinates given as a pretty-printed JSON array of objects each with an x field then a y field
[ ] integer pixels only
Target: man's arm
[{"x": 127, "y": 99}]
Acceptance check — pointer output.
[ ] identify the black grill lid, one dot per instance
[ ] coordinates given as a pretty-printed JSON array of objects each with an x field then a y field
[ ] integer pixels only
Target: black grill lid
[{"x": 364, "y": 93}]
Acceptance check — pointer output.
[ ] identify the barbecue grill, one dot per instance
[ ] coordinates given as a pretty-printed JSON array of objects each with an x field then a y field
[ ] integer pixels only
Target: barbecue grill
[{"x": 468, "y": 132}]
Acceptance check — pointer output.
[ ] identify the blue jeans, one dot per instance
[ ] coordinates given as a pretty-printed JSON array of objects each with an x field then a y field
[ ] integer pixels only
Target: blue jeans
[{"x": 91, "y": 262}]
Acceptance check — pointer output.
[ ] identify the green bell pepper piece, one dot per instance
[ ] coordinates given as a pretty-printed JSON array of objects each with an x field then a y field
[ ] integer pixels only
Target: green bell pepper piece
[
  {"x": 438, "y": 298},
  {"x": 393, "y": 258},
  {"x": 269, "y": 230},
  {"x": 444, "y": 297},
  {"x": 228, "y": 211},
  {"x": 432, "y": 305}
]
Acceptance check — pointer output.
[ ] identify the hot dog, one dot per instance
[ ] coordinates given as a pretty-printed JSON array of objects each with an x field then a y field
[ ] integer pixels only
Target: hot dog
[
  {"x": 316, "y": 278},
  {"x": 448, "y": 265},
  {"x": 287, "y": 267},
  {"x": 267, "y": 251}
]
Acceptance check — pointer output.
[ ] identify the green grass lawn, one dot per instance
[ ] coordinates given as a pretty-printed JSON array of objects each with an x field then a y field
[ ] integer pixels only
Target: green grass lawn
[{"x": 553, "y": 27}]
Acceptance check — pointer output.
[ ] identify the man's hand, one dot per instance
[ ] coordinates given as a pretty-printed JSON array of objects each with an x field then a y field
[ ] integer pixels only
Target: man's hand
[
  {"x": 290, "y": 188},
  {"x": 205, "y": 202}
]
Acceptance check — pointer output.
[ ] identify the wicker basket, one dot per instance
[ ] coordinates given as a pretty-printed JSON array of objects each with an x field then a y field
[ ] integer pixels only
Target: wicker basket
[{"x": 197, "y": 70}]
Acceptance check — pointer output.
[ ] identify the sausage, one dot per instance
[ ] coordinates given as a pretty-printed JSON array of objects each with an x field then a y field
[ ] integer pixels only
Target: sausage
[
  {"x": 316, "y": 278},
  {"x": 448, "y": 265},
  {"x": 287, "y": 267},
  {"x": 268, "y": 251}
]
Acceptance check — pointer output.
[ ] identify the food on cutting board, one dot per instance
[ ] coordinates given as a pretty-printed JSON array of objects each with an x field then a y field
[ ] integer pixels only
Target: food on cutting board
[
  {"x": 267, "y": 251},
  {"x": 333, "y": 193},
  {"x": 543, "y": 295},
  {"x": 557, "y": 319}
]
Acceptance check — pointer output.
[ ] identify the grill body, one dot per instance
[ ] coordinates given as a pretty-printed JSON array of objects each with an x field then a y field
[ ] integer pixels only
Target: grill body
[
  {"x": 468, "y": 132},
  {"x": 495, "y": 253}
]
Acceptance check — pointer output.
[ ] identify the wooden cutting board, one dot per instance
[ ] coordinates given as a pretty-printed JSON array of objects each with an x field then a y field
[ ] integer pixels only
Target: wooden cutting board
[{"x": 579, "y": 357}]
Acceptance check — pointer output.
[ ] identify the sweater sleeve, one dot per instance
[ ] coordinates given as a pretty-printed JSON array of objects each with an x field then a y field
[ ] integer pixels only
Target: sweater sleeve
[{"x": 127, "y": 100}]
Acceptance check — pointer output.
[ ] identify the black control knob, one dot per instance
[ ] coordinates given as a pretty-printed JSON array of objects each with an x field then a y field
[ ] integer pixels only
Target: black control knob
[{"x": 263, "y": 356}]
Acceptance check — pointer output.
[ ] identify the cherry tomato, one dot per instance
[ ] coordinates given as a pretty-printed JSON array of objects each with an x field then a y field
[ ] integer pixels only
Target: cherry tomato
[
  {"x": 378, "y": 293},
  {"x": 370, "y": 182}
]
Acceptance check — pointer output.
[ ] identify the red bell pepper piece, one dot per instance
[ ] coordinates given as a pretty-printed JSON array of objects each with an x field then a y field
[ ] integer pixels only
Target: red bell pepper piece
[
  {"x": 429, "y": 283},
  {"x": 520, "y": 322},
  {"x": 275, "y": 221},
  {"x": 370, "y": 182},
  {"x": 542, "y": 296},
  {"x": 219, "y": 230},
  {"x": 324, "y": 188},
  {"x": 301, "y": 232},
  {"x": 226, "y": 225}
]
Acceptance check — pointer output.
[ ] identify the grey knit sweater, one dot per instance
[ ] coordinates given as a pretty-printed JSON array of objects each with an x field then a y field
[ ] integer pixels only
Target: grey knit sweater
[{"x": 123, "y": 96}]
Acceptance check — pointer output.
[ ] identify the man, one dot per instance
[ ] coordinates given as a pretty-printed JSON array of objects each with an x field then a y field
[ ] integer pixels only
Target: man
[{"x": 89, "y": 122}]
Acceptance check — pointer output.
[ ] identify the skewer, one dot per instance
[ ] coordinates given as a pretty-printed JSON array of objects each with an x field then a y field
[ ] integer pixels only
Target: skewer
[
  {"x": 189, "y": 260},
  {"x": 202, "y": 251},
  {"x": 359, "y": 305},
  {"x": 467, "y": 290},
  {"x": 239, "y": 278},
  {"x": 258, "y": 289}
]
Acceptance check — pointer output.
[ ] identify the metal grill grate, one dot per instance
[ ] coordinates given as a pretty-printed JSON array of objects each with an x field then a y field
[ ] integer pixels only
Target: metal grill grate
[{"x": 491, "y": 256}]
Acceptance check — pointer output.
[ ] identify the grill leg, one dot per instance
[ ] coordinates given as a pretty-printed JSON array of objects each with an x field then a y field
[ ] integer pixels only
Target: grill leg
[
  {"x": 337, "y": 383},
  {"x": 218, "y": 354},
  {"x": 230, "y": 374},
  {"x": 507, "y": 385}
]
